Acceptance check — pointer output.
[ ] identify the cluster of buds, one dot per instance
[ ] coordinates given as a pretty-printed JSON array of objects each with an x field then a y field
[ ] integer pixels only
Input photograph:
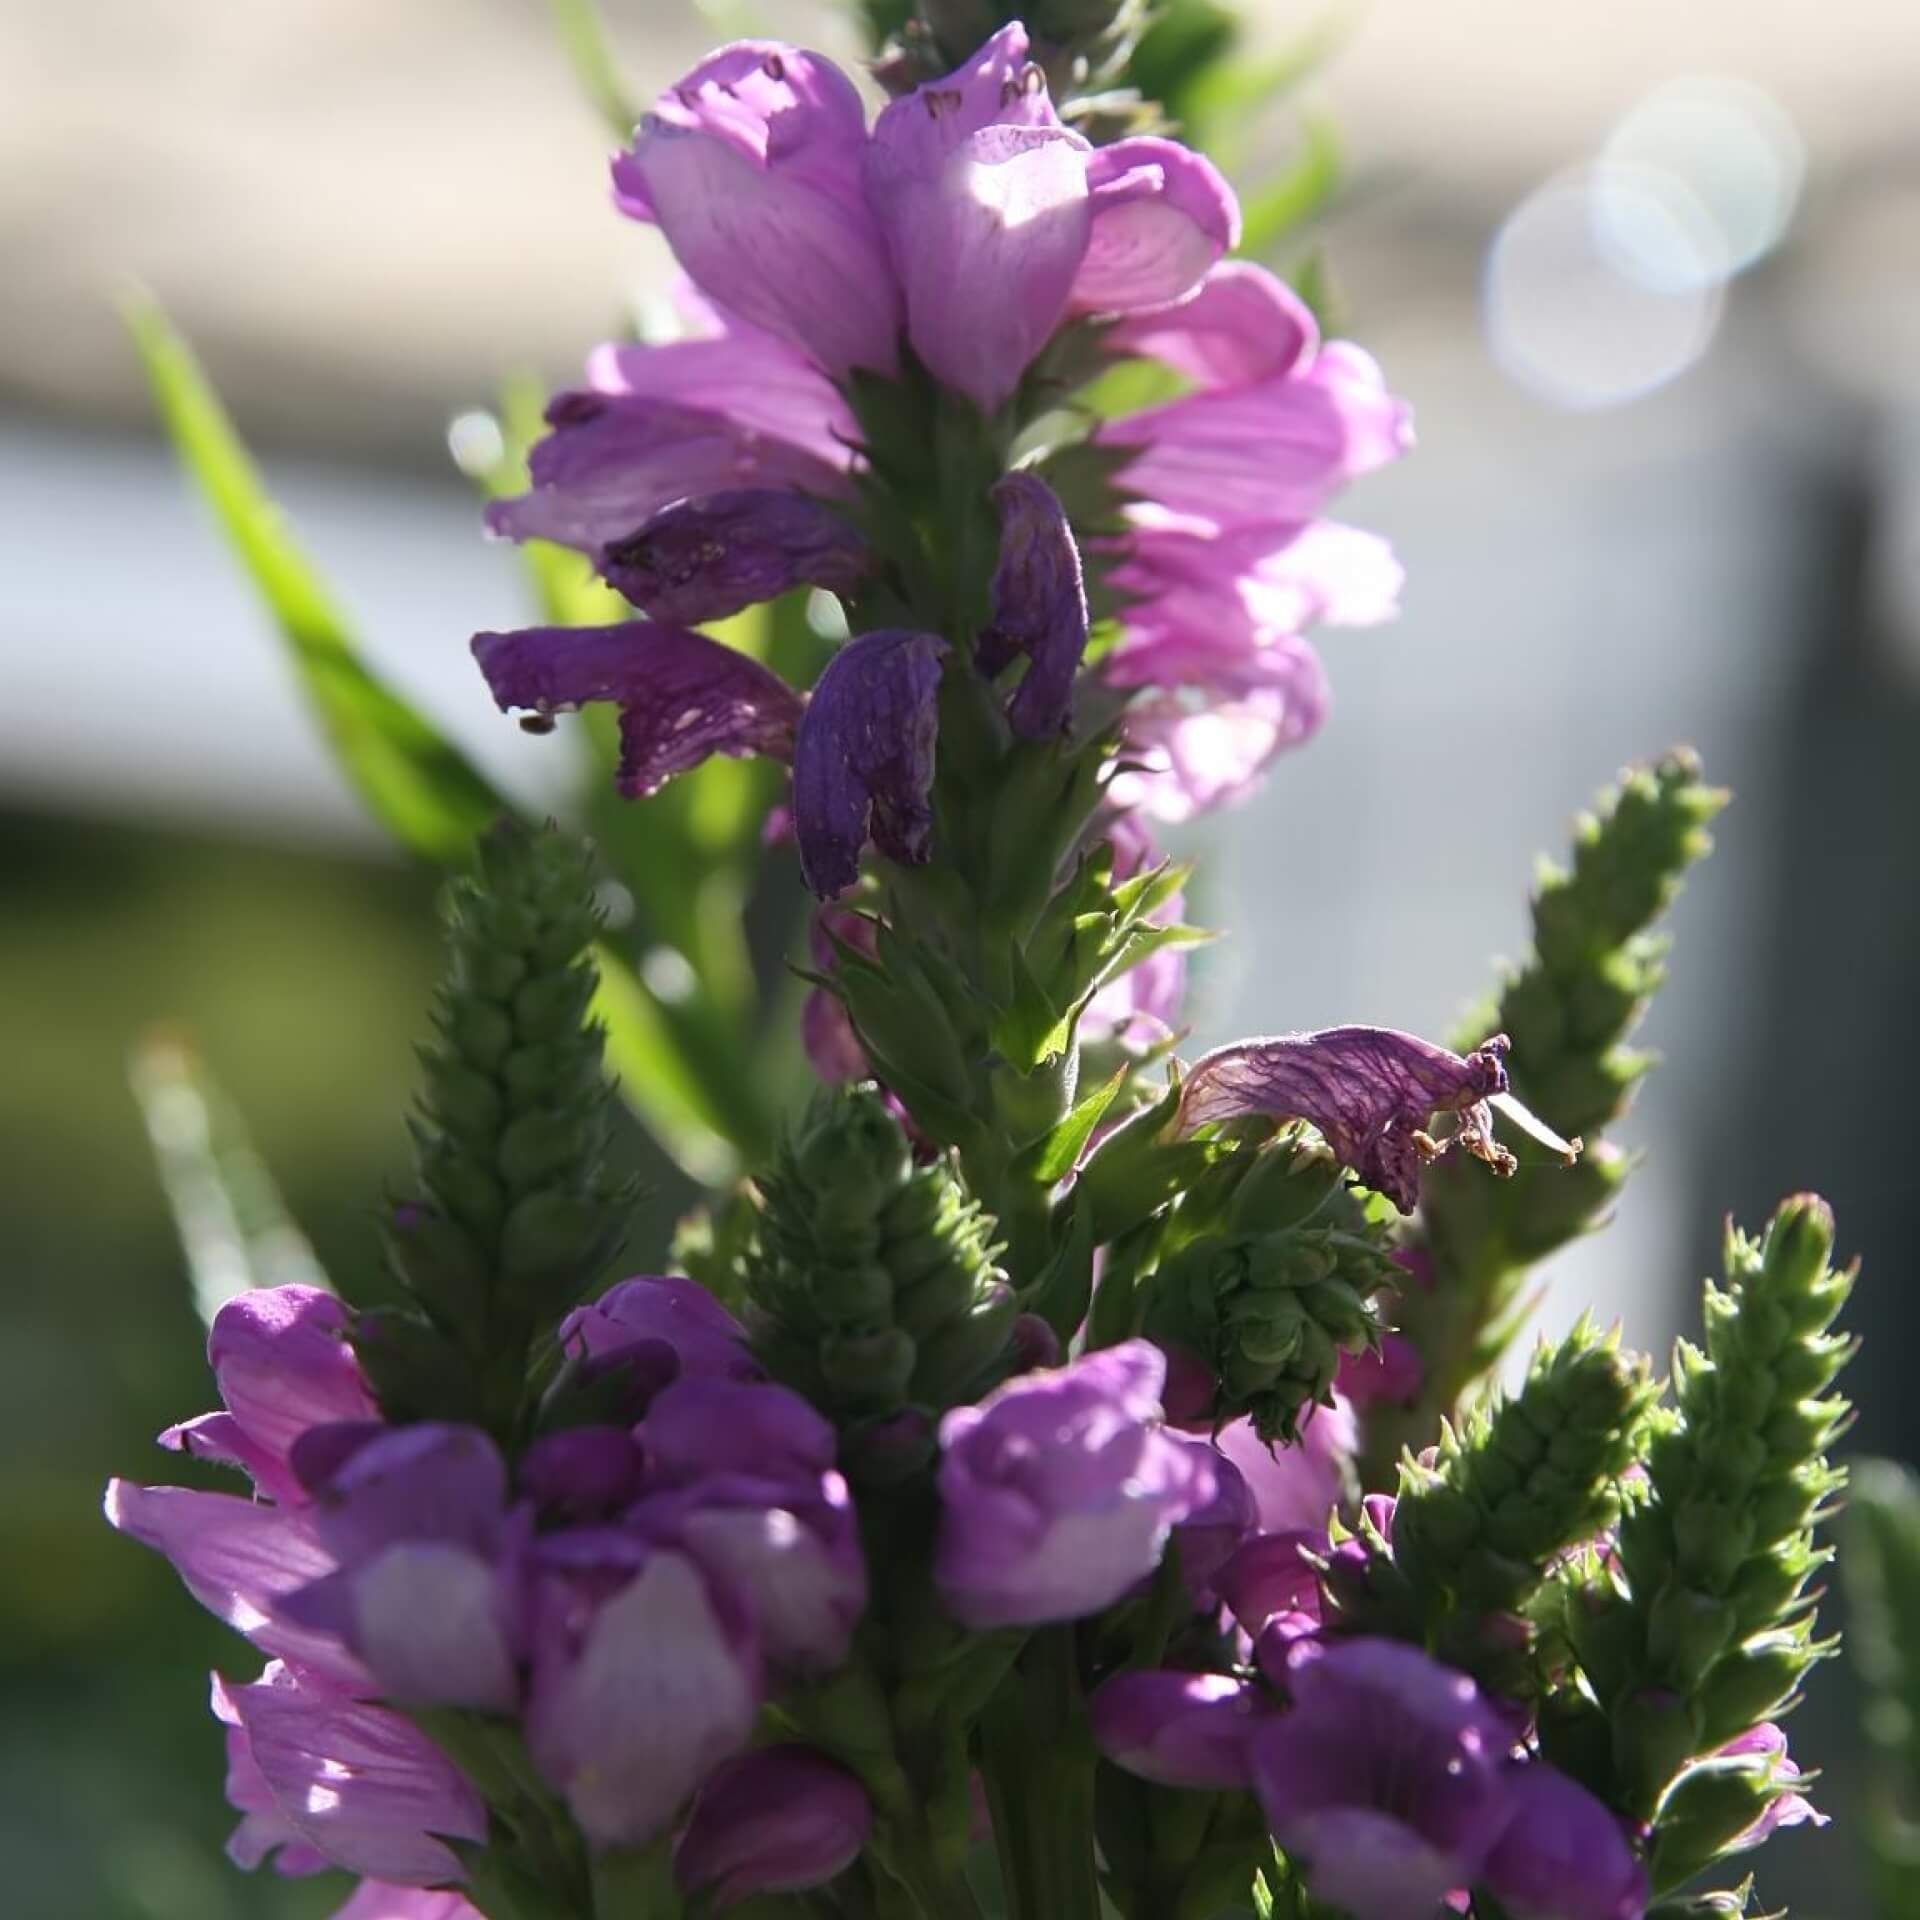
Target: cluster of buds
[{"x": 870, "y": 1280}]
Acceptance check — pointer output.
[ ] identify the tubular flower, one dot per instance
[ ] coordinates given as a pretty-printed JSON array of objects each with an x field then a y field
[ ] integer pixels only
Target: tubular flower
[
  {"x": 778, "y": 1820},
  {"x": 1225, "y": 560},
  {"x": 1059, "y": 1491}
]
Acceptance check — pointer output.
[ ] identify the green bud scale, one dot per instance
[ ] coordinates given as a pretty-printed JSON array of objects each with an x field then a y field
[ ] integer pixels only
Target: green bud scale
[
  {"x": 1478, "y": 1524},
  {"x": 1568, "y": 1011},
  {"x": 1699, "y": 1627},
  {"x": 518, "y": 1213},
  {"x": 869, "y": 1278}
]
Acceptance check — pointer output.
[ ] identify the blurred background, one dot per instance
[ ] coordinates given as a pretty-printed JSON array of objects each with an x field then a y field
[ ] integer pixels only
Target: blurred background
[{"x": 1651, "y": 277}]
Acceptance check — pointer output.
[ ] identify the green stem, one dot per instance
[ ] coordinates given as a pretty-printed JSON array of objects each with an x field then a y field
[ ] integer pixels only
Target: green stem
[{"x": 1038, "y": 1761}]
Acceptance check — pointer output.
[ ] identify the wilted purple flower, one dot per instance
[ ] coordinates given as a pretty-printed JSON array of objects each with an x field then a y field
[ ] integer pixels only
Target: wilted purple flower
[
  {"x": 706, "y": 558},
  {"x": 682, "y": 697},
  {"x": 863, "y": 762},
  {"x": 1385, "y": 1782},
  {"x": 356, "y": 1785},
  {"x": 1059, "y": 1490},
  {"x": 1562, "y": 1855},
  {"x": 379, "y": 1900},
  {"x": 1180, "y": 1729},
  {"x": 613, "y": 462},
  {"x": 645, "y": 1677},
  {"x": 1369, "y": 1090},
  {"x": 281, "y": 1361},
  {"x": 1039, "y": 606},
  {"x": 777, "y": 1820},
  {"x": 1788, "y": 1808}
]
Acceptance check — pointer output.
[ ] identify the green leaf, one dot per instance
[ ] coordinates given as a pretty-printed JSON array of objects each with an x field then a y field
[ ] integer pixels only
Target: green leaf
[
  {"x": 412, "y": 779},
  {"x": 656, "y": 1076},
  {"x": 1061, "y": 1148},
  {"x": 1304, "y": 191},
  {"x": 233, "y": 1227},
  {"x": 590, "y": 53}
]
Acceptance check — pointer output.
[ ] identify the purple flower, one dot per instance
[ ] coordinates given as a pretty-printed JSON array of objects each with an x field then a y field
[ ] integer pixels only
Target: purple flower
[
  {"x": 646, "y": 1676},
  {"x": 379, "y": 1900},
  {"x": 1242, "y": 325},
  {"x": 1562, "y": 1856},
  {"x": 746, "y": 1486},
  {"x": 664, "y": 1326},
  {"x": 1369, "y": 1090},
  {"x": 281, "y": 1361},
  {"x": 1271, "y": 1581},
  {"x": 1296, "y": 1486},
  {"x": 1274, "y": 449},
  {"x": 986, "y": 205},
  {"x": 971, "y": 215},
  {"x": 582, "y": 1473},
  {"x": 777, "y": 1820},
  {"x": 1393, "y": 1372},
  {"x": 1788, "y": 1808},
  {"x": 240, "y": 1560},
  {"x": 1162, "y": 216},
  {"x": 1039, "y": 606},
  {"x": 426, "y": 1591},
  {"x": 863, "y": 762},
  {"x": 1058, "y": 1492},
  {"x": 349, "y": 1782},
  {"x": 682, "y": 697},
  {"x": 613, "y": 462},
  {"x": 1385, "y": 1781},
  {"x": 1204, "y": 744},
  {"x": 1180, "y": 1729},
  {"x": 1209, "y": 1536},
  {"x": 751, "y": 167},
  {"x": 705, "y": 558}
]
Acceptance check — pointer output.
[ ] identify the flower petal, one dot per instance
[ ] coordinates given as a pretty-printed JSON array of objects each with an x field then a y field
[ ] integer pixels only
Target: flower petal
[
  {"x": 1243, "y": 325},
  {"x": 863, "y": 758},
  {"x": 683, "y": 697},
  {"x": 751, "y": 168},
  {"x": 1162, "y": 216},
  {"x": 707, "y": 558},
  {"x": 1369, "y": 1090},
  {"x": 778, "y": 1820}
]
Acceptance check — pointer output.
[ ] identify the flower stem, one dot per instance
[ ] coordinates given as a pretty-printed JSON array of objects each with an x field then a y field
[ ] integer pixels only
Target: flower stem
[{"x": 1038, "y": 1761}]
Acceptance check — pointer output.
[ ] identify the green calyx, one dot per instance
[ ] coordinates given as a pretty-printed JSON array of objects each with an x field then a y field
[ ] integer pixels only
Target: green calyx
[
  {"x": 1568, "y": 1011},
  {"x": 1512, "y": 1487},
  {"x": 518, "y": 1212},
  {"x": 870, "y": 1280},
  {"x": 1702, "y": 1629}
]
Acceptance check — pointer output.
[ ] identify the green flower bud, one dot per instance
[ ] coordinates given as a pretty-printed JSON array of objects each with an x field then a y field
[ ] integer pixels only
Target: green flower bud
[
  {"x": 869, "y": 1367},
  {"x": 954, "y": 1360},
  {"x": 511, "y": 1134},
  {"x": 1709, "y": 1807}
]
